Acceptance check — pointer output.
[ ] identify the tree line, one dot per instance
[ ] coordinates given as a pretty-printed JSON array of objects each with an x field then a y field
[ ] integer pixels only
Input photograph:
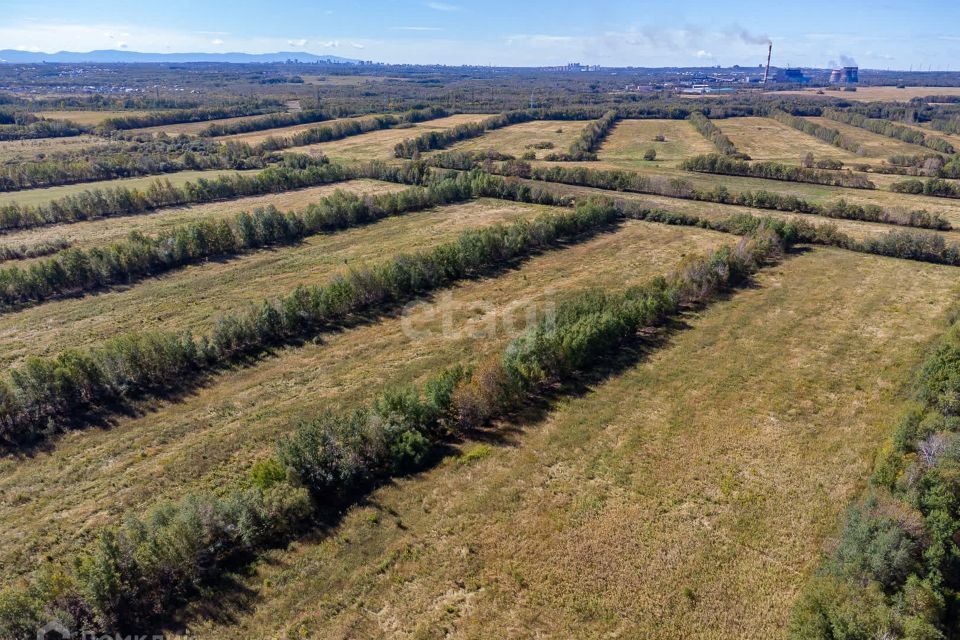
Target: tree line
[
  {"x": 123, "y": 579},
  {"x": 351, "y": 127},
  {"x": 891, "y": 130},
  {"x": 725, "y": 165},
  {"x": 154, "y": 155},
  {"x": 828, "y": 135},
  {"x": 619, "y": 180},
  {"x": 588, "y": 142},
  {"x": 712, "y": 132},
  {"x": 75, "y": 270},
  {"x": 295, "y": 172},
  {"x": 34, "y": 250},
  {"x": 937, "y": 187},
  {"x": 182, "y": 116},
  {"x": 46, "y": 391},
  {"x": 895, "y": 567}
]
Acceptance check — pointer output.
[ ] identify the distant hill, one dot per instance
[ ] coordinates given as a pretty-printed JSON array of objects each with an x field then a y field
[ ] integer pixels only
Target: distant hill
[{"x": 112, "y": 55}]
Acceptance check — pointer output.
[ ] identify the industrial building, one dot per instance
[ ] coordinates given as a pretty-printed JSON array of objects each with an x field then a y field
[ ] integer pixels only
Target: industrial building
[{"x": 845, "y": 75}]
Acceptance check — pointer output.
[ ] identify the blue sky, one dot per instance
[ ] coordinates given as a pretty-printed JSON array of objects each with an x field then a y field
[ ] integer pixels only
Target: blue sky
[{"x": 878, "y": 34}]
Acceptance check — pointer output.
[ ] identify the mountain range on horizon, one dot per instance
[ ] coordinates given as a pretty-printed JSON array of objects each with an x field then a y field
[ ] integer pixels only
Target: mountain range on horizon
[{"x": 17, "y": 56}]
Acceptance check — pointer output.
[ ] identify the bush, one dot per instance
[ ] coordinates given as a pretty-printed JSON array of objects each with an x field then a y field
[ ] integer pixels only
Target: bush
[{"x": 650, "y": 154}]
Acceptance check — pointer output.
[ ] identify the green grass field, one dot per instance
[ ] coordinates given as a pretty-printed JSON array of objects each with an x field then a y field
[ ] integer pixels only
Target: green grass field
[
  {"x": 520, "y": 138},
  {"x": 630, "y": 139}
]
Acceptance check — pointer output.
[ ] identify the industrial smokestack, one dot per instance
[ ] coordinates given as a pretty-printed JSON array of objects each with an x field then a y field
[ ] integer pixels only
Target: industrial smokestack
[{"x": 766, "y": 73}]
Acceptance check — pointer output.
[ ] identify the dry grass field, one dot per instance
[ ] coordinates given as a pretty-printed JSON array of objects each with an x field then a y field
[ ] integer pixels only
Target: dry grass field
[
  {"x": 378, "y": 145},
  {"x": 517, "y": 139},
  {"x": 51, "y": 499},
  {"x": 105, "y": 230},
  {"x": 39, "y": 196},
  {"x": 20, "y": 149},
  {"x": 189, "y": 128},
  {"x": 87, "y": 117},
  {"x": 628, "y": 141},
  {"x": 874, "y": 144},
  {"x": 687, "y": 497},
  {"x": 767, "y": 139},
  {"x": 879, "y": 94}
]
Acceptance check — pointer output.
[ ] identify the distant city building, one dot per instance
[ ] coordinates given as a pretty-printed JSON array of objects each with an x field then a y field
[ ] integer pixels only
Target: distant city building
[{"x": 794, "y": 76}]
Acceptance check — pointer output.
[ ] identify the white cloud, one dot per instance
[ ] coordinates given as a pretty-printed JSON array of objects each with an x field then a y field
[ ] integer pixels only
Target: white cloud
[
  {"x": 704, "y": 54},
  {"x": 297, "y": 43},
  {"x": 443, "y": 6},
  {"x": 357, "y": 45},
  {"x": 216, "y": 42}
]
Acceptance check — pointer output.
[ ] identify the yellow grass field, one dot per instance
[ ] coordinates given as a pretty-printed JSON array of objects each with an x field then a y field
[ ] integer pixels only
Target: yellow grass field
[
  {"x": 87, "y": 117},
  {"x": 378, "y": 145},
  {"x": 874, "y": 144},
  {"x": 879, "y": 94},
  {"x": 767, "y": 139},
  {"x": 105, "y": 230},
  {"x": 688, "y": 497},
  {"x": 39, "y": 196},
  {"x": 50, "y": 500},
  {"x": 628, "y": 141},
  {"x": 25, "y": 149},
  {"x": 517, "y": 139}
]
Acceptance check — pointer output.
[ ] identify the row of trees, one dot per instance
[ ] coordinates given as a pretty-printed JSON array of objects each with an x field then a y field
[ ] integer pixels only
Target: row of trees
[
  {"x": 725, "y": 165},
  {"x": 712, "y": 132},
  {"x": 40, "y": 128},
  {"x": 352, "y": 127},
  {"x": 931, "y": 187},
  {"x": 891, "y": 130},
  {"x": 618, "y": 180},
  {"x": 78, "y": 270},
  {"x": 152, "y": 156},
  {"x": 296, "y": 171},
  {"x": 150, "y": 564},
  {"x": 429, "y": 140},
  {"x": 34, "y": 250},
  {"x": 828, "y": 135},
  {"x": 180, "y": 116},
  {"x": 47, "y": 391},
  {"x": 895, "y": 569},
  {"x": 589, "y": 140},
  {"x": 269, "y": 121}
]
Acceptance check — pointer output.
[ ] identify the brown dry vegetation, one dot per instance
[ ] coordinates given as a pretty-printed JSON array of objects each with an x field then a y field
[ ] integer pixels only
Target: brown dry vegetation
[
  {"x": 767, "y": 139},
  {"x": 87, "y": 117},
  {"x": 92, "y": 476},
  {"x": 688, "y": 497},
  {"x": 874, "y": 144},
  {"x": 256, "y": 137},
  {"x": 880, "y": 94}
]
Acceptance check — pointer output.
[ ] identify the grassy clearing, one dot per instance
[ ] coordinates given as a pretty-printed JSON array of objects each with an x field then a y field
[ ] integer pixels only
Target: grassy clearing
[
  {"x": 688, "y": 497},
  {"x": 38, "y": 196},
  {"x": 88, "y": 117},
  {"x": 51, "y": 499},
  {"x": 767, "y": 139},
  {"x": 874, "y": 145},
  {"x": 105, "y": 230},
  {"x": 629, "y": 140},
  {"x": 378, "y": 145},
  {"x": 517, "y": 139}
]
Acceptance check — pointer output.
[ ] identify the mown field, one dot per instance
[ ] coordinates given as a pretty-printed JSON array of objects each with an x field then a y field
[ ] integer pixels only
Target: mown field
[
  {"x": 87, "y": 117},
  {"x": 689, "y": 489}
]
